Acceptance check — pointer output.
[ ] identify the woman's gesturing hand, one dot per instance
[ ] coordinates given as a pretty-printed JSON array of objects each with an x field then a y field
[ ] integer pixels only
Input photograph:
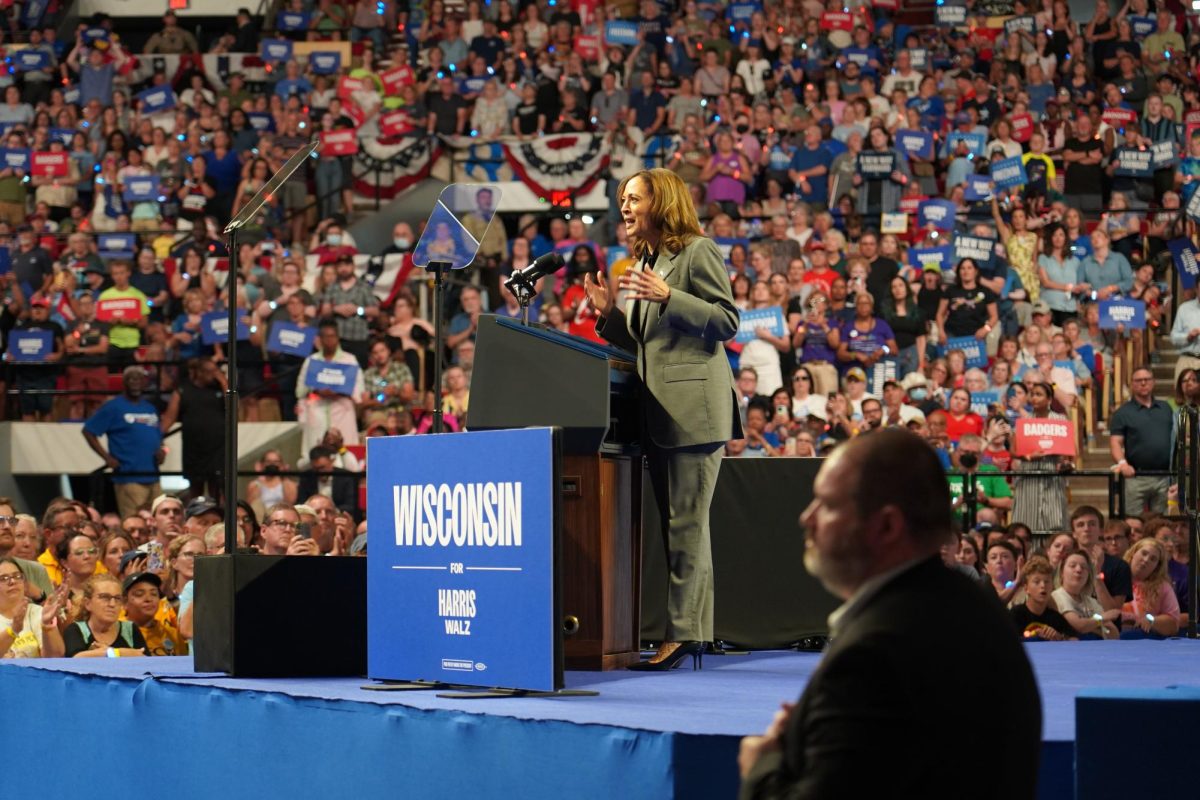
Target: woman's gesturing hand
[
  {"x": 645, "y": 285},
  {"x": 598, "y": 293}
]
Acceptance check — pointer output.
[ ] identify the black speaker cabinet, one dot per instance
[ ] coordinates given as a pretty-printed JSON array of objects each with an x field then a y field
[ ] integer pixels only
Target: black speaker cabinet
[{"x": 281, "y": 616}]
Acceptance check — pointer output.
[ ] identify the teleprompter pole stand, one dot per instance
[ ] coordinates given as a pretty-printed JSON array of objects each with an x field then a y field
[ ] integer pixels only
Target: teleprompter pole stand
[
  {"x": 439, "y": 270},
  {"x": 248, "y": 212}
]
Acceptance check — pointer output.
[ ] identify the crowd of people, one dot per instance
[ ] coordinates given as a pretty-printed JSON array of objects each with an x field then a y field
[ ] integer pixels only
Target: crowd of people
[{"x": 848, "y": 160}]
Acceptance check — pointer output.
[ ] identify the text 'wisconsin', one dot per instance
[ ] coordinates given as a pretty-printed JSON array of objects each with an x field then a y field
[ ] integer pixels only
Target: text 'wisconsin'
[{"x": 462, "y": 514}]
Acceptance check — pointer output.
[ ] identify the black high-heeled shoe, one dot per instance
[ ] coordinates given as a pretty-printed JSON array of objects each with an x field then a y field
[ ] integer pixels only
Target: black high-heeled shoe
[{"x": 693, "y": 649}]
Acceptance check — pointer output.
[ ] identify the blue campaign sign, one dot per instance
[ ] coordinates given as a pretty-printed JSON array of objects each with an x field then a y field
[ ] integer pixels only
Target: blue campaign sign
[
  {"x": 975, "y": 142},
  {"x": 1133, "y": 162},
  {"x": 769, "y": 318},
  {"x": 291, "y": 339},
  {"x": 977, "y": 187},
  {"x": 330, "y": 375},
  {"x": 915, "y": 143},
  {"x": 461, "y": 579},
  {"x": 951, "y": 16},
  {"x": 64, "y": 135},
  {"x": 30, "y": 345},
  {"x": 116, "y": 245},
  {"x": 980, "y": 249},
  {"x": 157, "y": 99},
  {"x": 619, "y": 31},
  {"x": 276, "y": 49},
  {"x": 941, "y": 214},
  {"x": 292, "y": 21},
  {"x": 214, "y": 328},
  {"x": 95, "y": 34},
  {"x": 1009, "y": 172},
  {"x": 742, "y": 12},
  {"x": 29, "y": 60},
  {"x": 858, "y": 55},
  {"x": 926, "y": 257},
  {"x": 1184, "y": 254},
  {"x": 876, "y": 166},
  {"x": 261, "y": 121},
  {"x": 324, "y": 62},
  {"x": 726, "y": 243},
  {"x": 919, "y": 58},
  {"x": 1163, "y": 154},
  {"x": 1122, "y": 311},
  {"x": 1022, "y": 24},
  {"x": 972, "y": 348},
  {"x": 141, "y": 189},
  {"x": 980, "y": 401},
  {"x": 1142, "y": 26},
  {"x": 1087, "y": 354},
  {"x": 14, "y": 158},
  {"x": 5, "y": 260}
]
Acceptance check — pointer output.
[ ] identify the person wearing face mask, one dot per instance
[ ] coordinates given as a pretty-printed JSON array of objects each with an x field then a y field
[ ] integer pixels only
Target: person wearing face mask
[
  {"x": 330, "y": 242},
  {"x": 269, "y": 489},
  {"x": 401, "y": 246}
]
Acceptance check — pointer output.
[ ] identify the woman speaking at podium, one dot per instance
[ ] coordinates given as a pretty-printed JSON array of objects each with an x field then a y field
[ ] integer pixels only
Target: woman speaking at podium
[{"x": 675, "y": 312}]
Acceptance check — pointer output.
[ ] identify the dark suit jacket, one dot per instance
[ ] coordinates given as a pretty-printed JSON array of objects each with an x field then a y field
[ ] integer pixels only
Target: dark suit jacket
[
  {"x": 690, "y": 392},
  {"x": 345, "y": 489},
  {"x": 925, "y": 693}
]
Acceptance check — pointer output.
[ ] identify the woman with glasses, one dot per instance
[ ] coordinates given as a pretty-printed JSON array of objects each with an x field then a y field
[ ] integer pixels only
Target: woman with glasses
[
  {"x": 78, "y": 556},
  {"x": 98, "y": 630},
  {"x": 27, "y": 630},
  {"x": 806, "y": 401}
]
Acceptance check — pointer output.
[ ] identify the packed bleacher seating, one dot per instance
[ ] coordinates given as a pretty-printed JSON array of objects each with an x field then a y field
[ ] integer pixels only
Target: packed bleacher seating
[{"x": 978, "y": 221}]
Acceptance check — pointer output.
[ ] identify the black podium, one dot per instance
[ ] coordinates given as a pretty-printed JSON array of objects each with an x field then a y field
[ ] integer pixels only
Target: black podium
[{"x": 531, "y": 376}]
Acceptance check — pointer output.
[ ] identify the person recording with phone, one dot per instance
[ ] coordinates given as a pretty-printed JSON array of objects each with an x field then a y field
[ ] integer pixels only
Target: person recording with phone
[
  {"x": 284, "y": 535},
  {"x": 675, "y": 311}
]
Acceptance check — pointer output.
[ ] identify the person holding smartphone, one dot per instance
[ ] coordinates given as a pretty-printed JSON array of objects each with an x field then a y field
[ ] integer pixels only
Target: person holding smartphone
[{"x": 282, "y": 534}]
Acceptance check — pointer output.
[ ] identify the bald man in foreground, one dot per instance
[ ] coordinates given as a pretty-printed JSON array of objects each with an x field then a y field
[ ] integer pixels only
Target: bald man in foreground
[{"x": 925, "y": 682}]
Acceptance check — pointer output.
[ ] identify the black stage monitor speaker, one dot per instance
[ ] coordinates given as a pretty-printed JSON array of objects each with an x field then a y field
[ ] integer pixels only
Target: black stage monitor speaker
[{"x": 262, "y": 616}]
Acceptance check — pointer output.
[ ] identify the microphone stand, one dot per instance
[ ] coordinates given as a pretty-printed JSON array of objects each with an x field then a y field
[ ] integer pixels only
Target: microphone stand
[{"x": 523, "y": 289}]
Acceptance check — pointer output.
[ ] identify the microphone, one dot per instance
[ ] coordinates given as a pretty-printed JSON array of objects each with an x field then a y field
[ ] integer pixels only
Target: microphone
[{"x": 546, "y": 265}]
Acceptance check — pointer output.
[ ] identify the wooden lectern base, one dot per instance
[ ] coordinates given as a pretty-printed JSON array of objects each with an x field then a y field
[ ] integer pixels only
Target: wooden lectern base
[{"x": 601, "y": 561}]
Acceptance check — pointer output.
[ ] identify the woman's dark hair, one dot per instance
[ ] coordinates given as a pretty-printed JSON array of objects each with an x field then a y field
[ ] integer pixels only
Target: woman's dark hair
[
  {"x": 1045, "y": 387},
  {"x": 63, "y": 548},
  {"x": 1048, "y": 239},
  {"x": 1000, "y": 543},
  {"x": 792, "y": 378},
  {"x": 255, "y": 528},
  {"x": 958, "y": 270},
  {"x": 1180, "y": 399}
]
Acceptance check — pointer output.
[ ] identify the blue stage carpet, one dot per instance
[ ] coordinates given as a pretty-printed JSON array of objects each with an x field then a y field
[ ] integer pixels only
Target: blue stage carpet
[{"x": 653, "y": 736}]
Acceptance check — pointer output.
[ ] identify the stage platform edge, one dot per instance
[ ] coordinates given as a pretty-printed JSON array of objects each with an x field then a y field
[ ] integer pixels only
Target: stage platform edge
[{"x": 652, "y": 736}]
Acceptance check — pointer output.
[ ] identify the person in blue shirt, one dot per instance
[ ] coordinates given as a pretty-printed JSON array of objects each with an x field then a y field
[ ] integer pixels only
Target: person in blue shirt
[
  {"x": 293, "y": 83},
  {"x": 134, "y": 443},
  {"x": 1108, "y": 272},
  {"x": 929, "y": 105},
  {"x": 810, "y": 168}
]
